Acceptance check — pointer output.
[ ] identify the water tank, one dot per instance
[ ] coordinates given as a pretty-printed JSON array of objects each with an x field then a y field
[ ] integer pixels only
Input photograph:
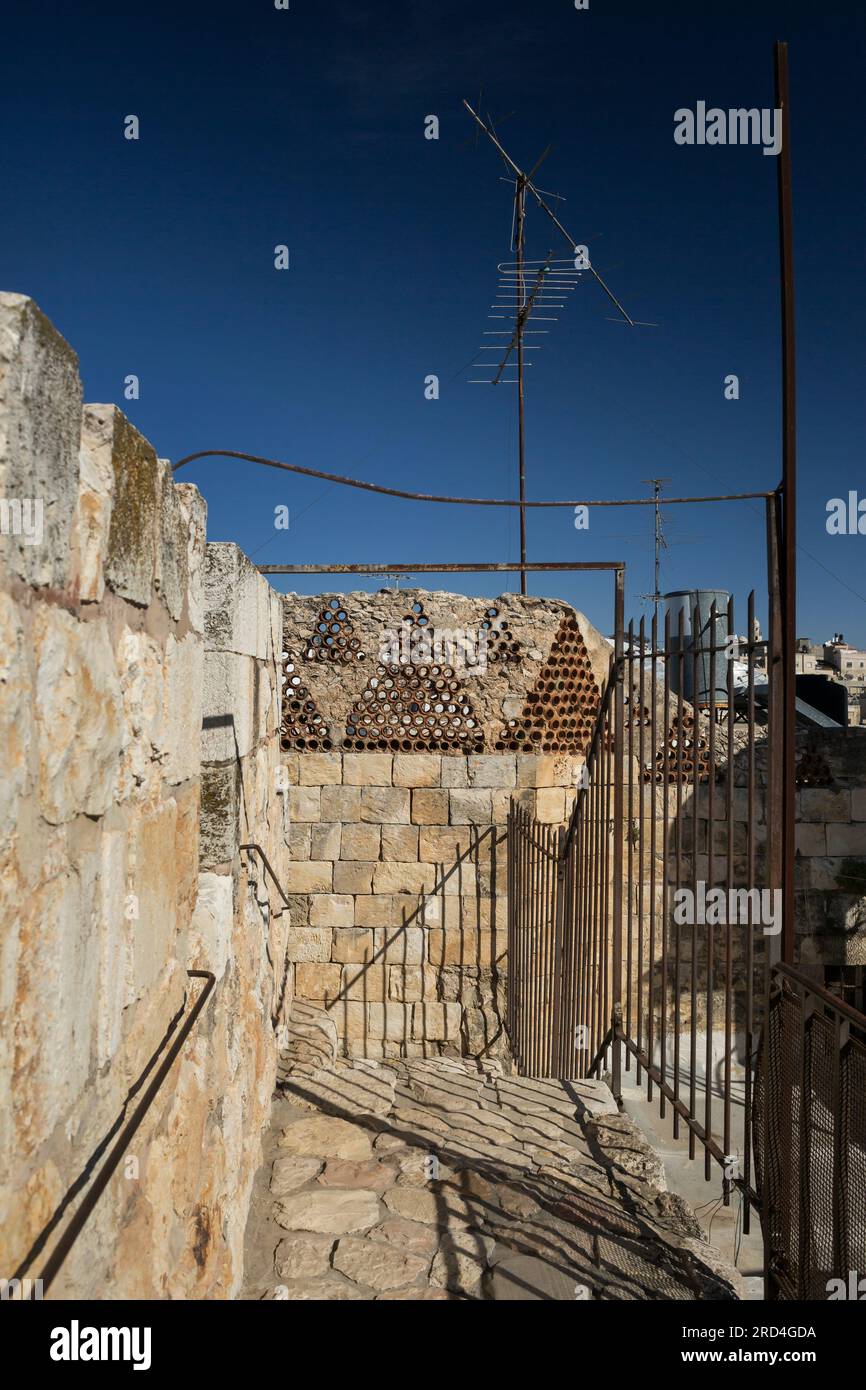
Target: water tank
[{"x": 705, "y": 684}]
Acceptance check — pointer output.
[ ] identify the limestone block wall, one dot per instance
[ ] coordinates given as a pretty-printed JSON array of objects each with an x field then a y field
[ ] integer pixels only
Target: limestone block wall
[
  {"x": 104, "y": 675},
  {"x": 830, "y": 875},
  {"x": 402, "y": 766}
]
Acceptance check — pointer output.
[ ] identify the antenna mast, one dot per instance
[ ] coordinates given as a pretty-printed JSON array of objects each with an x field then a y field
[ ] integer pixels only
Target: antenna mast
[
  {"x": 660, "y": 542},
  {"x": 563, "y": 277}
]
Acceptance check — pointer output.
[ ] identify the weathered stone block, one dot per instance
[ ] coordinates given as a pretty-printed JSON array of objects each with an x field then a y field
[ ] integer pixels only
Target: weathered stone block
[
  {"x": 400, "y": 842},
  {"x": 455, "y": 771},
  {"x": 384, "y": 805},
  {"x": 304, "y": 803},
  {"x": 193, "y": 509},
  {"x": 471, "y": 808},
  {"x": 812, "y": 839},
  {"x": 352, "y": 945},
  {"x": 183, "y": 708},
  {"x": 550, "y": 805},
  {"x": 458, "y": 880},
  {"x": 536, "y": 770},
  {"x": 367, "y": 769},
  {"x": 436, "y": 1022},
  {"x": 411, "y": 983},
  {"x": 468, "y": 948},
  {"x": 389, "y": 1020},
  {"x": 332, "y": 910},
  {"x": 429, "y": 807},
  {"x": 417, "y": 769},
  {"x": 492, "y": 770},
  {"x": 308, "y": 944},
  {"x": 399, "y": 946},
  {"x": 40, "y": 429},
  {"x": 220, "y": 794},
  {"x": 858, "y": 803},
  {"x": 375, "y": 911},
  {"x": 364, "y": 982},
  {"x": 503, "y": 801},
  {"x": 311, "y": 877},
  {"x": 821, "y": 804},
  {"x": 341, "y": 804},
  {"x": 317, "y": 981},
  {"x": 78, "y": 716},
  {"x": 299, "y": 841},
  {"x": 238, "y": 604},
  {"x": 289, "y": 773},
  {"x": 846, "y": 839},
  {"x": 325, "y": 841},
  {"x": 352, "y": 877},
  {"x": 229, "y": 706},
  {"x": 350, "y": 1016},
  {"x": 319, "y": 769},
  {"x": 443, "y": 844},
  {"x": 361, "y": 841},
  {"x": 393, "y": 877}
]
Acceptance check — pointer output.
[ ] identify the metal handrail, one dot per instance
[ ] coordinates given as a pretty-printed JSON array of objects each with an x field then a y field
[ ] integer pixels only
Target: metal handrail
[
  {"x": 79, "y": 1220},
  {"x": 257, "y": 849},
  {"x": 832, "y": 1001}
]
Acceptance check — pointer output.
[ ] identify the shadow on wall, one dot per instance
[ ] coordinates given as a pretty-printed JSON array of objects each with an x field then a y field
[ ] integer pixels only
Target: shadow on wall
[{"x": 439, "y": 974}]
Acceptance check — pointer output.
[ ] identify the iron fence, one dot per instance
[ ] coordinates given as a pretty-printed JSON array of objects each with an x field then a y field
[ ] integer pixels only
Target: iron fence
[
  {"x": 810, "y": 1140},
  {"x": 640, "y": 934}
]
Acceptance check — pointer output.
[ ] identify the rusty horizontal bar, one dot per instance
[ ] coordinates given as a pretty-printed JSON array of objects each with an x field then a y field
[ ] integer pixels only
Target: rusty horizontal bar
[
  {"x": 833, "y": 1001},
  {"x": 444, "y": 568},
  {"x": 454, "y": 501}
]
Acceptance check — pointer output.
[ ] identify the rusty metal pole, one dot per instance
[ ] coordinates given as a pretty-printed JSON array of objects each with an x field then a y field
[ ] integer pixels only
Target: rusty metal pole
[
  {"x": 520, "y": 199},
  {"x": 618, "y": 829},
  {"x": 789, "y": 493}
]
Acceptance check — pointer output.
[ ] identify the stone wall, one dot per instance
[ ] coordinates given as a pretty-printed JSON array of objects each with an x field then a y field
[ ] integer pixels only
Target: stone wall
[
  {"x": 105, "y": 620},
  {"x": 401, "y": 774},
  {"x": 830, "y": 878}
]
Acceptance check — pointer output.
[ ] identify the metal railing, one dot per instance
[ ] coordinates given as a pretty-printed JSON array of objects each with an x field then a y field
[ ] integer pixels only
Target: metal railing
[
  {"x": 810, "y": 1140},
  {"x": 639, "y": 936}
]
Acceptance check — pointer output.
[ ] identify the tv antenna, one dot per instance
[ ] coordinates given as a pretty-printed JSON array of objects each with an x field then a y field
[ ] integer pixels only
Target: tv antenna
[
  {"x": 527, "y": 287},
  {"x": 660, "y": 542}
]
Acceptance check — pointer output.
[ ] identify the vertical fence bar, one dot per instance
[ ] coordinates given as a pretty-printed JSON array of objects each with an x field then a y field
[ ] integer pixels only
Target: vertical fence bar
[
  {"x": 653, "y": 794},
  {"x": 616, "y": 924},
  {"x": 710, "y": 883},
  {"x": 696, "y": 802},
  {"x": 678, "y": 873},
  {"x": 750, "y": 937},
  {"x": 665, "y": 783},
  {"x": 729, "y": 883},
  {"x": 642, "y": 795},
  {"x": 628, "y": 900},
  {"x": 789, "y": 489}
]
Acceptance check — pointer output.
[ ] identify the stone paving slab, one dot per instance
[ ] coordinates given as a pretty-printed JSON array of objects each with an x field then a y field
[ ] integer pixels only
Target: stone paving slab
[{"x": 445, "y": 1179}]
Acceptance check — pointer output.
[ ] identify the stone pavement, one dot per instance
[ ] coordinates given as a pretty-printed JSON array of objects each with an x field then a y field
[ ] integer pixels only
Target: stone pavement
[{"x": 445, "y": 1179}]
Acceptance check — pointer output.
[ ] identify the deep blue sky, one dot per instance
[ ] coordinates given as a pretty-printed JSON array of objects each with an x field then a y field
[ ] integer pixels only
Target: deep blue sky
[{"x": 305, "y": 127}]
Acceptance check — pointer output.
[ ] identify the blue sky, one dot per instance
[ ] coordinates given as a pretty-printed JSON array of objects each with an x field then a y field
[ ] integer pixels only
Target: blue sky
[{"x": 306, "y": 127}]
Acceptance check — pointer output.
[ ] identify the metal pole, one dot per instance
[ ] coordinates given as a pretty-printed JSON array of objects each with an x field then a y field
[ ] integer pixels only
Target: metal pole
[
  {"x": 520, "y": 199},
  {"x": 789, "y": 492},
  {"x": 618, "y": 808}
]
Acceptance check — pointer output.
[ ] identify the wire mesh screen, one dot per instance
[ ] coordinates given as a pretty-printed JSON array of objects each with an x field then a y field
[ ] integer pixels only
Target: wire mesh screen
[{"x": 810, "y": 1141}]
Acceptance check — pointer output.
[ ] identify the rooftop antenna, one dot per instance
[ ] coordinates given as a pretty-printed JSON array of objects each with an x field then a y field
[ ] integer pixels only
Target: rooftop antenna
[
  {"x": 660, "y": 542},
  {"x": 527, "y": 287}
]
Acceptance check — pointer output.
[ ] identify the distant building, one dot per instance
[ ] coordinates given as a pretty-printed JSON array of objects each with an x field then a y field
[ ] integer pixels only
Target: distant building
[{"x": 848, "y": 662}]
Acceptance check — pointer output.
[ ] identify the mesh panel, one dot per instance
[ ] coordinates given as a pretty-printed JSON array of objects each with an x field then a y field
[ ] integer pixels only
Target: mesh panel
[{"x": 809, "y": 1133}]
